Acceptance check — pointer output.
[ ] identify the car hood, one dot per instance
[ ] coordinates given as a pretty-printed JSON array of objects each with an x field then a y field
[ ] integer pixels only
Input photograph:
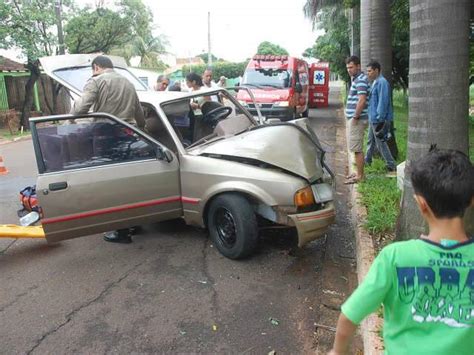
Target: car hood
[
  {"x": 265, "y": 95},
  {"x": 283, "y": 146}
]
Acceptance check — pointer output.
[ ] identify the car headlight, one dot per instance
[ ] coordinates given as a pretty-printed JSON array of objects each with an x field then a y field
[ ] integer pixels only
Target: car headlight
[
  {"x": 304, "y": 197},
  {"x": 322, "y": 192},
  {"x": 281, "y": 103}
]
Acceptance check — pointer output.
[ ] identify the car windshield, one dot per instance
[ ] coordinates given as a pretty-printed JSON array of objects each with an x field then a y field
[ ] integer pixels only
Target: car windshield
[
  {"x": 77, "y": 77},
  {"x": 278, "y": 78},
  {"x": 205, "y": 118}
]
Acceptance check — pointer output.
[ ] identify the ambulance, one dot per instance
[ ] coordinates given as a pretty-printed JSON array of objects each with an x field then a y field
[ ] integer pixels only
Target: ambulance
[{"x": 279, "y": 84}]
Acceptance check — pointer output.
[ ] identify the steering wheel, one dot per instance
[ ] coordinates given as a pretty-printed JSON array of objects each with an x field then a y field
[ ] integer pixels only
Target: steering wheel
[{"x": 214, "y": 116}]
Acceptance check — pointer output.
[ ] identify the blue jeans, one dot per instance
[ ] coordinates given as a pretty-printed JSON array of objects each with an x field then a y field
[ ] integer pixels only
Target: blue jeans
[{"x": 382, "y": 146}]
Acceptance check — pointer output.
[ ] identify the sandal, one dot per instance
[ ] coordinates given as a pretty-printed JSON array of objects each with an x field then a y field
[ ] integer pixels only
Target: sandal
[{"x": 353, "y": 180}]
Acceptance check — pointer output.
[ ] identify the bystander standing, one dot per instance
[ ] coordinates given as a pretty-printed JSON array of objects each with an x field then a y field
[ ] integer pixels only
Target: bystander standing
[
  {"x": 357, "y": 117},
  {"x": 380, "y": 116}
]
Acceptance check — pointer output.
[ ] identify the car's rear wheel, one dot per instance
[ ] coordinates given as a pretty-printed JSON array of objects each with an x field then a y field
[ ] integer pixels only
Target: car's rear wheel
[{"x": 233, "y": 226}]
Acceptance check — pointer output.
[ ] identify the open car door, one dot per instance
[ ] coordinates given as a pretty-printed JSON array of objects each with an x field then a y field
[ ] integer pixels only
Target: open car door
[{"x": 97, "y": 173}]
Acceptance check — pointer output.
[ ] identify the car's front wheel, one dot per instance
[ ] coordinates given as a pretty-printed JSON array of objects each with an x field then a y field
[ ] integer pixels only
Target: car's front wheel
[{"x": 233, "y": 226}]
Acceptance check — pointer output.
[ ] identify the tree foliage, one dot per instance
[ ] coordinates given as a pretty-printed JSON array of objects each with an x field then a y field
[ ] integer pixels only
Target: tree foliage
[
  {"x": 400, "y": 13},
  {"x": 333, "y": 46},
  {"x": 125, "y": 31},
  {"x": 102, "y": 29},
  {"x": 271, "y": 48},
  {"x": 205, "y": 58},
  {"x": 227, "y": 69},
  {"x": 30, "y": 26},
  {"x": 312, "y": 7},
  {"x": 98, "y": 30}
]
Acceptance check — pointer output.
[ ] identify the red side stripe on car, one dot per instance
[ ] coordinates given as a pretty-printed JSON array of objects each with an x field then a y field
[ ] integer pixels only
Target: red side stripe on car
[
  {"x": 192, "y": 201},
  {"x": 119, "y": 209}
]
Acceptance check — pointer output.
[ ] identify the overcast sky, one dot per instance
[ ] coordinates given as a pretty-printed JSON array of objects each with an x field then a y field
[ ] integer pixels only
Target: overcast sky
[{"x": 237, "y": 27}]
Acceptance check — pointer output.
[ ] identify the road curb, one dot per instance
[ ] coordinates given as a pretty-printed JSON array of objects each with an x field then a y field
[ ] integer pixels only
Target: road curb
[
  {"x": 365, "y": 254},
  {"x": 17, "y": 139}
]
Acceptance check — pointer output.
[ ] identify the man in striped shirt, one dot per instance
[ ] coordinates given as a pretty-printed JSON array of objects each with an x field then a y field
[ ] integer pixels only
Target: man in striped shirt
[{"x": 357, "y": 116}]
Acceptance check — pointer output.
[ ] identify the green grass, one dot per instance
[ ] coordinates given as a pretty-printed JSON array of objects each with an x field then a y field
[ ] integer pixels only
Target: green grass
[
  {"x": 471, "y": 138},
  {"x": 380, "y": 194},
  {"x": 5, "y": 134},
  {"x": 471, "y": 95}
]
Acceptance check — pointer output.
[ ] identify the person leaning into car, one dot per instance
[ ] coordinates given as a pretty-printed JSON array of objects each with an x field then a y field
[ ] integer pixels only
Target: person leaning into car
[{"x": 108, "y": 91}]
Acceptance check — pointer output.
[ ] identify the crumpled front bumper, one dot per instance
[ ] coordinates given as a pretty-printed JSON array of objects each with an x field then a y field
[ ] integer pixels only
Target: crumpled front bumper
[{"x": 312, "y": 225}]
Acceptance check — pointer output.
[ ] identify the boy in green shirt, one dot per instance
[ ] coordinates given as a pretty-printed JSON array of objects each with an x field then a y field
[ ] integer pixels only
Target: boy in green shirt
[{"x": 426, "y": 285}]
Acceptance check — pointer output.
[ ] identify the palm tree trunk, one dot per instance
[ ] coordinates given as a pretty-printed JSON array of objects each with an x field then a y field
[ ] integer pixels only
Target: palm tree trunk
[
  {"x": 376, "y": 43},
  {"x": 438, "y": 101},
  {"x": 376, "y": 35},
  {"x": 354, "y": 27}
]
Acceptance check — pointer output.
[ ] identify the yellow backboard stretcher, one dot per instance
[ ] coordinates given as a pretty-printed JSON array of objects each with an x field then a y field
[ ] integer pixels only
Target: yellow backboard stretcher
[{"x": 14, "y": 231}]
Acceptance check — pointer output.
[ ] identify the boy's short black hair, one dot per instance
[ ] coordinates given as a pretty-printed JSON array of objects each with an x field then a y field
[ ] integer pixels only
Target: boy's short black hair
[
  {"x": 103, "y": 62},
  {"x": 445, "y": 178},
  {"x": 374, "y": 65},
  {"x": 353, "y": 59}
]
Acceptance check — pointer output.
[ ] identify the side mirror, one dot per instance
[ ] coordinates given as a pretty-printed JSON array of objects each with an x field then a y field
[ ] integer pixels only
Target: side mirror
[
  {"x": 168, "y": 155},
  {"x": 298, "y": 88},
  {"x": 163, "y": 154}
]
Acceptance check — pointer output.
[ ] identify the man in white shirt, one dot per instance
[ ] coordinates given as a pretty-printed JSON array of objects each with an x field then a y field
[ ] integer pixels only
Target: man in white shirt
[{"x": 209, "y": 83}]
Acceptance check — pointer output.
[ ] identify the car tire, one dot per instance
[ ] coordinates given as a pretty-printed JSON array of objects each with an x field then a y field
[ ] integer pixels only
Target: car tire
[{"x": 232, "y": 226}]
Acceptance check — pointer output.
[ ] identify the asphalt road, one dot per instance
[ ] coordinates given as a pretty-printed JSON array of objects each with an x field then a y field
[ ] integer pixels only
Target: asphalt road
[{"x": 171, "y": 291}]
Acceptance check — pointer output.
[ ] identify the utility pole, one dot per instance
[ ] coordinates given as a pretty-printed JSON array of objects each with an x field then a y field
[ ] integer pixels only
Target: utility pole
[
  {"x": 209, "y": 55},
  {"x": 59, "y": 24}
]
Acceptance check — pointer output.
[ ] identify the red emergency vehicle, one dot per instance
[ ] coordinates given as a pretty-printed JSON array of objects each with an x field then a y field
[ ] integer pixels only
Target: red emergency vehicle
[
  {"x": 279, "y": 85},
  {"x": 318, "y": 84}
]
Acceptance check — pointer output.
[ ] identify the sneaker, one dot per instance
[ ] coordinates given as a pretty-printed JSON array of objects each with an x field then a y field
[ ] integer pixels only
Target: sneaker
[{"x": 120, "y": 236}]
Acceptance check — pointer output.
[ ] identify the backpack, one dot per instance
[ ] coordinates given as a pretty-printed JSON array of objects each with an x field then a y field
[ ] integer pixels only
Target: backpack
[{"x": 28, "y": 200}]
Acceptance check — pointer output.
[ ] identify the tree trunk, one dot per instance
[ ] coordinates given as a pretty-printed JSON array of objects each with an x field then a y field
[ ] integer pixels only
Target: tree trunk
[
  {"x": 376, "y": 44},
  {"x": 365, "y": 32},
  {"x": 376, "y": 35},
  {"x": 354, "y": 27},
  {"x": 33, "y": 67},
  {"x": 438, "y": 101}
]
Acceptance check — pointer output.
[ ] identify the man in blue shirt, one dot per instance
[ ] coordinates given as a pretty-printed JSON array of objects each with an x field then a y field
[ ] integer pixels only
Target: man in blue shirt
[
  {"x": 380, "y": 116},
  {"x": 356, "y": 114}
]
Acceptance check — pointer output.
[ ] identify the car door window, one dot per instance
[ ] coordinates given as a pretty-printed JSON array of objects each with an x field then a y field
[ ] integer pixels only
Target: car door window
[{"x": 90, "y": 142}]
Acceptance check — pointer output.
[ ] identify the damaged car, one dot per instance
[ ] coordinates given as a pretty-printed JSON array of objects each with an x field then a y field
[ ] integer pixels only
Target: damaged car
[{"x": 202, "y": 157}]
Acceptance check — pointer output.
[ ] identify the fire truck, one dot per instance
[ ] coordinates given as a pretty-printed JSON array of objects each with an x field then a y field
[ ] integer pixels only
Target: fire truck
[{"x": 279, "y": 84}]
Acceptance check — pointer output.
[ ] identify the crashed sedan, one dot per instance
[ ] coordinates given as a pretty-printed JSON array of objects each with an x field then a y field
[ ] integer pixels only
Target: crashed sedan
[{"x": 212, "y": 164}]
